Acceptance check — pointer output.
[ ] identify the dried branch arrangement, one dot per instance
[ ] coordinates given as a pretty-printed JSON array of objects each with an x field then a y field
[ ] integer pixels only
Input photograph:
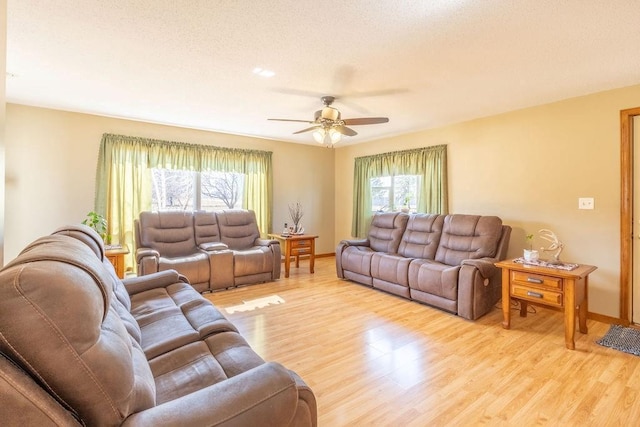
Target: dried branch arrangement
[{"x": 296, "y": 212}]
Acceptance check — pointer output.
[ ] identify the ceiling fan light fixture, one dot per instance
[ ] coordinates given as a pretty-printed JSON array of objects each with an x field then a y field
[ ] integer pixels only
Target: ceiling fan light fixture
[
  {"x": 334, "y": 135},
  {"x": 330, "y": 113},
  {"x": 318, "y": 135}
]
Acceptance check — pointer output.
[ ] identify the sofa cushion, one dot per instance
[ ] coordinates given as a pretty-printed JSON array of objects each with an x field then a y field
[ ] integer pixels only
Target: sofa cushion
[
  {"x": 421, "y": 236},
  {"x": 357, "y": 259},
  {"x": 206, "y": 227},
  {"x": 256, "y": 260},
  {"x": 238, "y": 228},
  {"x": 434, "y": 278},
  {"x": 170, "y": 233},
  {"x": 172, "y": 316},
  {"x": 194, "y": 266},
  {"x": 468, "y": 237},
  {"x": 390, "y": 268},
  {"x": 202, "y": 364},
  {"x": 386, "y": 231}
]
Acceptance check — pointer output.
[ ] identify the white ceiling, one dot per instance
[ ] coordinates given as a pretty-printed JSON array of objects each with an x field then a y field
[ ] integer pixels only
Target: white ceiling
[{"x": 189, "y": 62}]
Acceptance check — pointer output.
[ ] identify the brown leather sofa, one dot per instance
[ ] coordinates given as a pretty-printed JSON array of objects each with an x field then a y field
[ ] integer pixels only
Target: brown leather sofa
[
  {"x": 78, "y": 346},
  {"x": 214, "y": 250},
  {"x": 446, "y": 261}
]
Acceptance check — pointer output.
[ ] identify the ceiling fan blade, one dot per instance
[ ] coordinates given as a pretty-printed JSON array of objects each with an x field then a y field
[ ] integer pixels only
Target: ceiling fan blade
[
  {"x": 366, "y": 121},
  {"x": 306, "y": 130},
  {"x": 381, "y": 92},
  {"x": 292, "y": 120},
  {"x": 345, "y": 130}
]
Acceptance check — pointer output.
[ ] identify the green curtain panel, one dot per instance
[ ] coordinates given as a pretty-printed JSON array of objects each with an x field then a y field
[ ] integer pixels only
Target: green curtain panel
[
  {"x": 430, "y": 163},
  {"x": 123, "y": 178}
]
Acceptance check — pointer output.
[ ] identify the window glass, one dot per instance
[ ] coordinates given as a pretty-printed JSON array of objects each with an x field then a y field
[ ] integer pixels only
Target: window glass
[
  {"x": 392, "y": 193},
  {"x": 174, "y": 189},
  {"x": 221, "y": 190}
]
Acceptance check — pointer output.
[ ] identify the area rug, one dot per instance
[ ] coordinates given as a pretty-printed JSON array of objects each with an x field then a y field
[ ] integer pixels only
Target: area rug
[{"x": 623, "y": 339}]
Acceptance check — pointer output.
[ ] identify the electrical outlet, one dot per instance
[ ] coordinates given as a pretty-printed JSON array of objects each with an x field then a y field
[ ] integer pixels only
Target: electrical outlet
[{"x": 585, "y": 203}]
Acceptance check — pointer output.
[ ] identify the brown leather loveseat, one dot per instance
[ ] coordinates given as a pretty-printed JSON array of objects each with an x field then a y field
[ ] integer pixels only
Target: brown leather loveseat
[
  {"x": 446, "y": 261},
  {"x": 214, "y": 250},
  {"x": 78, "y": 346}
]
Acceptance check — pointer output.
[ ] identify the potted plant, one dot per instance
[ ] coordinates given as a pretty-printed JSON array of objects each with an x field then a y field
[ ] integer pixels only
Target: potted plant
[
  {"x": 407, "y": 206},
  {"x": 530, "y": 254},
  {"x": 98, "y": 223}
]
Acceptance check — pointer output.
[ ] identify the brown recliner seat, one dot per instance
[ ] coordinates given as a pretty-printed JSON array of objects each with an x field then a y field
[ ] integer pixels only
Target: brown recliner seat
[
  {"x": 255, "y": 259},
  {"x": 353, "y": 257},
  {"x": 166, "y": 241}
]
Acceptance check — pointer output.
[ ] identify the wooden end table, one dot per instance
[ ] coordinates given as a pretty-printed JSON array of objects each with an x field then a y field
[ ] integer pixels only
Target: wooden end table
[
  {"x": 567, "y": 290},
  {"x": 296, "y": 245},
  {"x": 116, "y": 257}
]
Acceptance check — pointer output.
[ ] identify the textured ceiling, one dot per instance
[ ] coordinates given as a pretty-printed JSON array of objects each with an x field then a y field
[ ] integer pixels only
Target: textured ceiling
[{"x": 421, "y": 63}]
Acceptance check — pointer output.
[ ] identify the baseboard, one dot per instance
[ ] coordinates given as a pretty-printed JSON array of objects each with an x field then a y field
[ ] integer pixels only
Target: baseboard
[{"x": 607, "y": 319}]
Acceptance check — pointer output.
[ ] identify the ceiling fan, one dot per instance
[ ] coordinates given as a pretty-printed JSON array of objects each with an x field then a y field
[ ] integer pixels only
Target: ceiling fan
[{"x": 328, "y": 126}]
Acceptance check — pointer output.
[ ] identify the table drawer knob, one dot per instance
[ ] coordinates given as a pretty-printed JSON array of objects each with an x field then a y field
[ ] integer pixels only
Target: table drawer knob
[
  {"x": 534, "y": 294},
  {"x": 535, "y": 280}
]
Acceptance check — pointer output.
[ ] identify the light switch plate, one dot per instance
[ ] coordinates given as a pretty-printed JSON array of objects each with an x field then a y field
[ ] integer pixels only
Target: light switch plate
[{"x": 585, "y": 203}]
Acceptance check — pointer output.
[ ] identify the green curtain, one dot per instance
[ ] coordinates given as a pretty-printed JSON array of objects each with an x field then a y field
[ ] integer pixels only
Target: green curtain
[
  {"x": 430, "y": 163},
  {"x": 123, "y": 178}
]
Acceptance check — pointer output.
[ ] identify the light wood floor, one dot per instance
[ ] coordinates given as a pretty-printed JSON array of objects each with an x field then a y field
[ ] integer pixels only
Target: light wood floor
[{"x": 375, "y": 359}]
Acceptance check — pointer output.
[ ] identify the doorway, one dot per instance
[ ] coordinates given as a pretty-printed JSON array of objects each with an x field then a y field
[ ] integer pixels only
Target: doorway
[{"x": 629, "y": 227}]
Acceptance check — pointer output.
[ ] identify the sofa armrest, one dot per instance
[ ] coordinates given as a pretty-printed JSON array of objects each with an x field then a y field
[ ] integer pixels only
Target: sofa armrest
[
  {"x": 147, "y": 260},
  {"x": 161, "y": 279},
  {"x": 263, "y": 395},
  {"x": 146, "y": 252},
  {"x": 266, "y": 242},
  {"x": 355, "y": 242},
  {"x": 486, "y": 266},
  {"x": 213, "y": 246},
  {"x": 479, "y": 287}
]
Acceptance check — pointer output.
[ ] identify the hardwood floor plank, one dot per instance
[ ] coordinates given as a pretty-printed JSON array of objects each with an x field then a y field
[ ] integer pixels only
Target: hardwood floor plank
[{"x": 372, "y": 358}]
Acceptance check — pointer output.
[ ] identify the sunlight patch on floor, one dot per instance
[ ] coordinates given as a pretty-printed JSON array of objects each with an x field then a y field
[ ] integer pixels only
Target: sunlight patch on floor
[{"x": 255, "y": 303}]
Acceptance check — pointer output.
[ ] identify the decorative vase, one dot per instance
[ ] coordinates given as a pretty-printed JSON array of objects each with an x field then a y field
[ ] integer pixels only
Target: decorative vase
[{"x": 531, "y": 255}]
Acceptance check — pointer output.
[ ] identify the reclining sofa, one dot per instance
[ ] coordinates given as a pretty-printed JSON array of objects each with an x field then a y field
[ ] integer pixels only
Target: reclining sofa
[
  {"x": 443, "y": 261},
  {"x": 214, "y": 250},
  {"x": 78, "y": 346}
]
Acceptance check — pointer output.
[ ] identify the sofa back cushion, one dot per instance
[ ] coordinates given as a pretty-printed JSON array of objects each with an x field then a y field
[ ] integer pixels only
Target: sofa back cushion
[
  {"x": 206, "y": 227},
  {"x": 468, "y": 237},
  {"x": 121, "y": 301},
  {"x": 169, "y": 233},
  {"x": 421, "y": 237},
  {"x": 386, "y": 231},
  {"x": 69, "y": 334},
  {"x": 238, "y": 228}
]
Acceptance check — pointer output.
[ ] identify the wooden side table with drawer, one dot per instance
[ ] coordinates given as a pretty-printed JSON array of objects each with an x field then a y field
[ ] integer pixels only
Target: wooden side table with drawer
[
  {"x": 296, "y": 245},
  {"x": 566, "y": 290},
  {"x": 115, "y": 255}
]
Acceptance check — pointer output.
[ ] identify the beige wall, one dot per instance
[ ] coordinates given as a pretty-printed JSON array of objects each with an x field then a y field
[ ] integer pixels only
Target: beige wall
[
  {"x": 530, "y": 167},
  {"x": 51, "y": 165}
]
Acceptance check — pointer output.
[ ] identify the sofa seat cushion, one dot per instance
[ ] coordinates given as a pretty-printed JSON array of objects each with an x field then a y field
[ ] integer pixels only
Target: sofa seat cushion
[
  {"x": 434, "y": 278},
  {"x": 357, "y": 259},
  {"x": 201, "y": 364},
  {"x": 195, "y": 267},
  {"x": 255, "y": 260},
  {"x": 174, "y": 316},
  {"x": 391, "y": 268}
]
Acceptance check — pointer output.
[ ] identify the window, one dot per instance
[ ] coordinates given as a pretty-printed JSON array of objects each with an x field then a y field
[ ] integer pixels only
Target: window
[
  {"x": 140, "y": 174},
  {"x": 389, "y": 180},
  {"x": 392, "y": 193},
  {"x": 175, "y": 189}
]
